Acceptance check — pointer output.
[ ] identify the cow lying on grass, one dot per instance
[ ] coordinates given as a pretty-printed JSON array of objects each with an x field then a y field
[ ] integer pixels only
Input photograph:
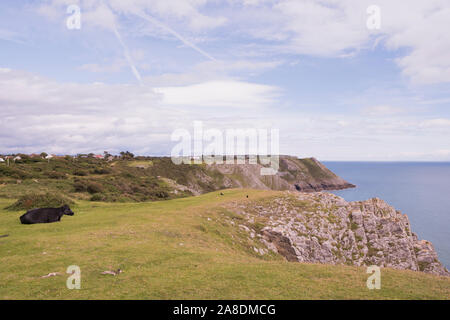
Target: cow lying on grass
[{"x": 45, "y": 215}]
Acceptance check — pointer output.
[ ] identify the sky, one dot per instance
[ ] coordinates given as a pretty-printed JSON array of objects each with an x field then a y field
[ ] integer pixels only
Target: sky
[{"x": 337, "y": 79}]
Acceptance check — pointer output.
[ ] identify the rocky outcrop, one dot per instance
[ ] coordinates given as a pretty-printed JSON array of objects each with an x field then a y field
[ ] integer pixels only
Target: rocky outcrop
[
  {"x": 293, "y": 174},
  {"x": 320, "y": 227}
]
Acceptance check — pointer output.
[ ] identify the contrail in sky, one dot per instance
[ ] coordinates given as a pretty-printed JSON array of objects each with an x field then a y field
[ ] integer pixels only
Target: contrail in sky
[
  {"x": 173, "y": 32},
  {"x": 128, "y": 56},
  {"x": 126, "y": 52}
]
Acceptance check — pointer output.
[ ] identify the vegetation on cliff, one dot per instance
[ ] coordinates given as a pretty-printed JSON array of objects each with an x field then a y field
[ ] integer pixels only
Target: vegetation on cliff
[{"x": 140, "y": 179}]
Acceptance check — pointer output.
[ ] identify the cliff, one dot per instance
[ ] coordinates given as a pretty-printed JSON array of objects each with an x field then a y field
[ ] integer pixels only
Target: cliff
[
  {"x": 156, "y": 178},
  {"x": 320, "y": 227},
  {"x": 293, "y": 174}
]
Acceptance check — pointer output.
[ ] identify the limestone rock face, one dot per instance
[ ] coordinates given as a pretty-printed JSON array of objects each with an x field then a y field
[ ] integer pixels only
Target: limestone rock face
[
  {"x": 293, "y": 174},
  {"x": 321, "y": 227}
]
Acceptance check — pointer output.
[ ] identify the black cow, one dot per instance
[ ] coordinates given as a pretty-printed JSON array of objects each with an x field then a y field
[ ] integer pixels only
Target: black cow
[{"x": 45, "y": 215}]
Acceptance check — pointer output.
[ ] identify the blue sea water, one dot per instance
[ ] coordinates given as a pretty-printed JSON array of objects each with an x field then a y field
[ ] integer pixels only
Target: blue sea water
[{"x": 419, "y": 189}]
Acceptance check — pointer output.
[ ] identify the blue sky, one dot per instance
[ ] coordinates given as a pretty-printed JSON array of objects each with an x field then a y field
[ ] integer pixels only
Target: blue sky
[{"x": 138, "y": 70}]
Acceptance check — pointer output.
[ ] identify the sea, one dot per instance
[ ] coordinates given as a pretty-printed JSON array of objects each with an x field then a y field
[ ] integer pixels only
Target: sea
[{"x": 419, "y": 189}]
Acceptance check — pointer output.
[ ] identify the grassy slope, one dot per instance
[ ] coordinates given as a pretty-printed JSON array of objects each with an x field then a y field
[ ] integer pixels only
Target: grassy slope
[
  {"x": 171, "y": 250},
  {"x": 142, "y": 179}
]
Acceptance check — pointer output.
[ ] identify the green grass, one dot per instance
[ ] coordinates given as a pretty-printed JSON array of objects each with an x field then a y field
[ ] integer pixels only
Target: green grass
[
  {"x": 132, "y": 180},
  {"x": 314, "y": 170},
  {"x": 176, "y": 249},
  {"x": 140, "y": 164}
]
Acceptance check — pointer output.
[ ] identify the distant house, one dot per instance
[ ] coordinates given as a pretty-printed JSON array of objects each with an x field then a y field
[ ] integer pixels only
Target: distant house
[
  {"x": 2, "y": 160},
  {"x": 49, "y": 157},
  {"x": 17, "y": 158},
  {"x": 99, "y": 156}
]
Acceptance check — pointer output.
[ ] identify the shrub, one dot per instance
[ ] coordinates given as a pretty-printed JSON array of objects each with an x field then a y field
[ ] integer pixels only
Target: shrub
[
  {"x": 160, "y": 194},
  {"x": 15, "y": 173},
  {"x": 94, "y": 187},
  {"x": 34, "y": 200},
  {"x": 97, "y": 197},
  {"x": 101, "y": 171},
  {"x": 88, "y": 186},
  {"x": 56, "y": 175},
  {"x": 80, "y": 186},
  {"x": 80, "y": 173},
  {"x": 109, "y": 197}
]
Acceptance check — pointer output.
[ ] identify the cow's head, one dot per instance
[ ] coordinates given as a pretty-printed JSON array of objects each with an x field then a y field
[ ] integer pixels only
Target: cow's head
[{"x": 67, "y": 211}]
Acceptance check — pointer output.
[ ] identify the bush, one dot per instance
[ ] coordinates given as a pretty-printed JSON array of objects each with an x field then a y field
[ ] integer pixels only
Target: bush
[
  {"x": 110, "y": 197},
  {"x": 160, "y": 194},
  {"x": 88, "y": 186},
  {"x": 101, "y": 171},
  {"x": 15, "y": 173},
  {"x": 56, "y": 175},
  {"x": 80, "y": 186},
  {"x": 33, "y": 200},
  {"x": 80, "y": 173},
  {"x": 94, "y": 187},
  {"x": 97, "y": 197}
]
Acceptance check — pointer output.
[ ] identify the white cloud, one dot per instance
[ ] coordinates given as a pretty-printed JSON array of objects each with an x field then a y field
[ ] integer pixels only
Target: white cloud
[
  {"x": 353, "y": 137},
  {"x": 421, "y": 27},
  {"x": 224, "y": 94},
  {"x": 382, "y": 110},
  {"x": 40, "y": 114},
  {"x": 325, "y": 28},
  {"x": 37, "y": 114},
  {"x": 212, "y": 71},
  {"x": 333, "y": 28},
  {"x": 97, "y": 68},
  {"x": 436, "y": 123}
]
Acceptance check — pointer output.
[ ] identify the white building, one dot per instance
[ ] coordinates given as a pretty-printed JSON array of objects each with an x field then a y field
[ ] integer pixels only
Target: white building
[{"x": 2, "y": 160}]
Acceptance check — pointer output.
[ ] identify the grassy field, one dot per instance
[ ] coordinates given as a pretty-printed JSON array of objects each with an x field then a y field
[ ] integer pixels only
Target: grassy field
[{"x": 175, "y": 249}]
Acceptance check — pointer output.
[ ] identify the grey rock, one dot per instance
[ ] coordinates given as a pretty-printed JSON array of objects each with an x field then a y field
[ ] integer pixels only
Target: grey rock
[{"x": 333, "y": 231}]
